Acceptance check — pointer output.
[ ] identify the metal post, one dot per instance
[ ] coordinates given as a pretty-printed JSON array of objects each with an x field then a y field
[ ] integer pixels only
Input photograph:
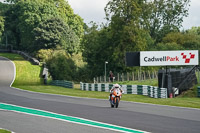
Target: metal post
[
  {"x": 6, "y": 40},
  {"x": 169, "y": 83},
  {"x": 118, "y": 77},
  {"x": 140, "y": 74},
  {"x": 105, "y": 69}
]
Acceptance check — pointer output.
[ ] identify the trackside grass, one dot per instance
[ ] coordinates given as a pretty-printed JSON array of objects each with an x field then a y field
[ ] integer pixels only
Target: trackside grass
[
  {"x": 181, "y": 102},
  {"x": 28, "y": 78},
  {"x": 4, "y": 131}
]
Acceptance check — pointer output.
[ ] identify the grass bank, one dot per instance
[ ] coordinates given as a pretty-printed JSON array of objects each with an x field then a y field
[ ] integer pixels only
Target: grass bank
[
  {"x": 178, "y": 101},
  {"x": 4, "y": 131},
  {"x": 28, "y": 78}
]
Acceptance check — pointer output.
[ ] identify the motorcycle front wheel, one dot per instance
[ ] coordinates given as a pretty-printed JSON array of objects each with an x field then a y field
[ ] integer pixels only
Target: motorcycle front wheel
[
  {"x": 111, "y": 103},
  {"x": 117, "y": 102}
]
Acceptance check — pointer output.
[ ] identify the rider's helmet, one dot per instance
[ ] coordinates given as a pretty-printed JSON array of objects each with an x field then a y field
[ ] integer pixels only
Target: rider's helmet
[{"x": 116, "y": 86}]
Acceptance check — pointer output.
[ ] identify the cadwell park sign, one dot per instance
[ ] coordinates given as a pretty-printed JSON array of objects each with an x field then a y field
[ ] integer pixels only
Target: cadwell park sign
[
  {"x": 162, "y": 58},
  {"x": 169, "y": 58}
]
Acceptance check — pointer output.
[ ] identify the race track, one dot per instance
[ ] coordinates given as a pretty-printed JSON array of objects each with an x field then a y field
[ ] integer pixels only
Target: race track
[{"x": 146, "y": 117}]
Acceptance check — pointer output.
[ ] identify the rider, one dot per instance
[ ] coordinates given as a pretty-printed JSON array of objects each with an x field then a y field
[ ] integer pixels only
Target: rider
[{"x": 115, "y": 86}]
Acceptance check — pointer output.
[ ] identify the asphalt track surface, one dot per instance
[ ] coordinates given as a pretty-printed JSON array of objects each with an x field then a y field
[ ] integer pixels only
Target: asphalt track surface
[
  {"x": 23, "y": 123},
  {"x": 146, "y": 117}
]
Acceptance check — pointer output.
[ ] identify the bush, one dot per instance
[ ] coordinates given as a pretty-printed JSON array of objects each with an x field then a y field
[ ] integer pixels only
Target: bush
[
  {"x": 44, "y": 54},
  {"x": 61, "y": 67}
]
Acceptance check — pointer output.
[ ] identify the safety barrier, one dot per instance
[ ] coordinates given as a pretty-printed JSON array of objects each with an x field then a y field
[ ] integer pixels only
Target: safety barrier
[
  {"x": 150, "y": 91},
  {"x": 34, "y": 61},
  {"x": 63, "y": 83},
  {"x": 198, "y": 91}
]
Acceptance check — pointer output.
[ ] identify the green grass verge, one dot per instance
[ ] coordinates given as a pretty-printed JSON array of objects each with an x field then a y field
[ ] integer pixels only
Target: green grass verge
[
  {"x": 4, "y": 131},
  {"x": 179, "y": 101},
  {"x": 28, "y": 79}
]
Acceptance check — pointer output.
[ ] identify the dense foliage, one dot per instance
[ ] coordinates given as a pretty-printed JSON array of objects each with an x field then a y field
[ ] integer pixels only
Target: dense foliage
[
  {"x": 50, "y": 30},
  {"x": 61, "y": 66},
  {"x": 3, "y": 8},
  {"x": 1, "y": 26},
  {"x": 53, "y": 32},
  {"x": 38, "y": 24}
]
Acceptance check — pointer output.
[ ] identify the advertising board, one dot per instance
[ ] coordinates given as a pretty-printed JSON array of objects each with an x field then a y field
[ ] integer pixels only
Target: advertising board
[{"x": 169, "y": 58}]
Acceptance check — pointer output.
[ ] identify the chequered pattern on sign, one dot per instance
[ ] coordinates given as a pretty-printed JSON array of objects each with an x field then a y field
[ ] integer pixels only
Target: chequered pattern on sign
[{"x": 187, "y": 60}]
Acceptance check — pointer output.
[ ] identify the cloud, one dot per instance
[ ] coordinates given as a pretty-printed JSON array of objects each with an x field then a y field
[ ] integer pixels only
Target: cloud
[
  {"x": 89, "y": 10},
  {"x": 194, "y": 16}
]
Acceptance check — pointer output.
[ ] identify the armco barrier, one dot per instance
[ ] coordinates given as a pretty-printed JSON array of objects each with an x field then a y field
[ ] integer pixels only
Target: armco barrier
[
  {"x": 198, "y": 91},
  {"x": 34, "y": 61},
  {"x": 63, "y": 83},
  {"x": 150, "y": 91}
]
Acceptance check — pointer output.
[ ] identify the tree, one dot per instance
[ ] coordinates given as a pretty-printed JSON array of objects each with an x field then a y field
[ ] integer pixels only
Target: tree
[
  {"x": 168, "y": 46},
  {"x": 96, "y": 49},
  {"x": 61, "y": 67},
  {"x": 194, "y": 30},
  {"x": 74, "y": 21},
  {"x": 52, "y": 33},
  {"x": 3, "y": 9},
  {"x": 126, "y": 29},
  {"x": 165, "y": 16},
  {"x": 1, "y": 26},
  {"x": 25, "y": 16},
  {"x": 186, "y": 40}
]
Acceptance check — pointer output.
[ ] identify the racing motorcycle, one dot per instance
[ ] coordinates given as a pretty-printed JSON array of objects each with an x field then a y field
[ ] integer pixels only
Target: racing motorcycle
[{"x": 115, "y": 97}]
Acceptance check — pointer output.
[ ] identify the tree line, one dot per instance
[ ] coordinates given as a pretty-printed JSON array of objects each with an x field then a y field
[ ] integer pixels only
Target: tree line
[{"x": 73, "y": 50}]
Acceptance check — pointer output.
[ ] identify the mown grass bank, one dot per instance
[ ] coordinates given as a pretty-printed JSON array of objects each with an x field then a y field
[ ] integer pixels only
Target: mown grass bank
[
  {"x": 28, "y": 78},
  {"x": 178, "y": 101},
  {"x": 4, "y": 131}
]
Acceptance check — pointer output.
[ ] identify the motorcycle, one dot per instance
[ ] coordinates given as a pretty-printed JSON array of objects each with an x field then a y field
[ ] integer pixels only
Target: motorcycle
[{"x": 115, "y": 98}]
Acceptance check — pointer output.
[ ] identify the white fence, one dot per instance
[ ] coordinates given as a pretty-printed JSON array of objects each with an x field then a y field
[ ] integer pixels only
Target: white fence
[{"x": 150, "y": 91}]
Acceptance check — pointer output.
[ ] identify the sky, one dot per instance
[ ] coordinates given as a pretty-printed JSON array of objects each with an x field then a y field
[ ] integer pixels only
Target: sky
[{"x": 93, "y": 10}]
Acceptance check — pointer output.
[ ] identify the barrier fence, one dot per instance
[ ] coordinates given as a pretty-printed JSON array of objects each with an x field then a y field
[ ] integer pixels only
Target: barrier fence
[
  {"x": 150, "y": 91},
  {"x": 63, "y": 83},
  {"x": 34, "y": 61}
]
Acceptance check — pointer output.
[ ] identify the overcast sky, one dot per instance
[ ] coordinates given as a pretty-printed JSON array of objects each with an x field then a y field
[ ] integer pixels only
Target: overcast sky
[{"x": 93, "y": 10}]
